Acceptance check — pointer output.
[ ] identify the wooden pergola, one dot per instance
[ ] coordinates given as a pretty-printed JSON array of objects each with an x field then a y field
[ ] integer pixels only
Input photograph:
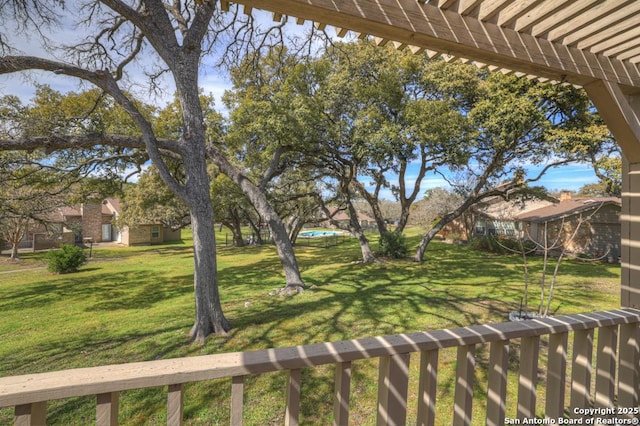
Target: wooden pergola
[{"x": 594, "y": 44}]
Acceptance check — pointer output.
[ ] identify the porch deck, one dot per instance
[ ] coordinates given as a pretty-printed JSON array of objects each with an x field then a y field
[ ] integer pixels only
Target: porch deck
[{"x": 616, "y": 382}]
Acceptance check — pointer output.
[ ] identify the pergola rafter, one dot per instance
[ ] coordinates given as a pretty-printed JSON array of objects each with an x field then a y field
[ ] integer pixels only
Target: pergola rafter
[{"x": 560, "y": 40}]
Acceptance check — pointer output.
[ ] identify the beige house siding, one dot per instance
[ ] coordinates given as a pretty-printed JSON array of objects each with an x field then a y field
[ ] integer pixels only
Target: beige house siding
[
  {"x": 87, "y": 220},
  {"x": 137, "y": 235},
  {"x": 144, "y": 234},
  {"x": 171, "y": 235}
]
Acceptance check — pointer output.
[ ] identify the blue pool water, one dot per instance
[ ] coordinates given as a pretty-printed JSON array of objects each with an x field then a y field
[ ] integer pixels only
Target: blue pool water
[{"x": 318, "y": 233}]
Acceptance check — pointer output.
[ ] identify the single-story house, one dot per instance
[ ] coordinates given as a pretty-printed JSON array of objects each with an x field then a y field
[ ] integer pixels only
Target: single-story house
[
  {"x": 94, "y": 222},
  {"x": 599, "y": 235},
  {"x": 498, "y": 217},
  {"x": 494, "y": 216}
]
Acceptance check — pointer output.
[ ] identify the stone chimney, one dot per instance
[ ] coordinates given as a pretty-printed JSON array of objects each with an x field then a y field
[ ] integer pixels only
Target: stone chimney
[{"x": 566, "y": 195}]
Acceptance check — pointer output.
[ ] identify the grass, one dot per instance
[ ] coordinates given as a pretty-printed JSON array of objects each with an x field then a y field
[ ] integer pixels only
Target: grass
[{"x": 136, "y": 304}]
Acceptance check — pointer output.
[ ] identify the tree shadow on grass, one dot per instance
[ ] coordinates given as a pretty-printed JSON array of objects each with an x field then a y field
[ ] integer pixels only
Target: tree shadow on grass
[
  {"x": 384, "y": 297},
  {"x": 127, "y": 290},
  {"x": 168, "y": 248}
]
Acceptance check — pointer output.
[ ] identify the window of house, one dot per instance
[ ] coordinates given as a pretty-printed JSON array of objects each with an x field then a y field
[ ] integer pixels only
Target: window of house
[{"x": 155, "y": 232}]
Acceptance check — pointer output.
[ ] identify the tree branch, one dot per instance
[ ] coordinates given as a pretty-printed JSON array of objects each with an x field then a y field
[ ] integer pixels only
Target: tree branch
[
  {"x": 106, "y": 82},
  {"x": 53, "y": 143}
]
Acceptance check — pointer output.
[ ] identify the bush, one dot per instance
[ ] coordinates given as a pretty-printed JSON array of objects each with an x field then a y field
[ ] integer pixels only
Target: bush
[
  {"x": 393, "y": 245},
  {"x": 67, "y": 259}
]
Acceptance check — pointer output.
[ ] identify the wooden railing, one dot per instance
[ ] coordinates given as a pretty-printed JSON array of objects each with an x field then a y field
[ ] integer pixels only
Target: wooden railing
[{"x": 618, "y": 355}]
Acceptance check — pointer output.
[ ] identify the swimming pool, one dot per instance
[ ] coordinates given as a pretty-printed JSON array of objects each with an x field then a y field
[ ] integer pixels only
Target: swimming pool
[{"x": 318, "y": 233}]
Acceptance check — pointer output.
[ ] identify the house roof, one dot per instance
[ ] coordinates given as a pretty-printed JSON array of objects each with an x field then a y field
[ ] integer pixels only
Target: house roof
[
  {"x": 67, "y": 211},
  {"x": 112, "y": 205},
  {"x": 502, "y": 209},
  {"x": 567, "y": 208}
]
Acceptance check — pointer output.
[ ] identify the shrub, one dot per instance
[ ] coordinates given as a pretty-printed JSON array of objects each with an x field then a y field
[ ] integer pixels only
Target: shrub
[
  {"x": 393, "y": 245},
  {"x": 456, "y": 237},
  {"x": 67, "y": 259}
]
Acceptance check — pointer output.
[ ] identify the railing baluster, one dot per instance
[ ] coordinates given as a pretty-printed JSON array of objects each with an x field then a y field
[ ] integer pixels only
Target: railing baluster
[
  {"x": 606, "y": 366},
  {"x": 237, "y": 400},
  {"x": 24, "y": 392},
  {"x": 556, "y": 375},
  {"x": 293, "y": 398},
  {"x": 107, "y": 409},
  {"x": 581, "y": 368},
  {"x": 342, "y": 389},
  {"x": 464, "y": 385},
  {"x": 427, "y": 388},
  {"x": 31, "y": 414},
  {"x": 393, "y": 380},
  {"x": 528, "y": 377},
  {"x": 497, "y": 388},
  {"x": 175, "y": 405},
  {"x": 629, "y": 370}
]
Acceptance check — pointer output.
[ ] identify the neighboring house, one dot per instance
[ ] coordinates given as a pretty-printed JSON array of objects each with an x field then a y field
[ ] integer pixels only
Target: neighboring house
[
  {"x": 499, "y": 217},
  {"x": 94, "y": 222},
  {"x": 599, "y": 236},
  {"x": 494, "y": 216}
]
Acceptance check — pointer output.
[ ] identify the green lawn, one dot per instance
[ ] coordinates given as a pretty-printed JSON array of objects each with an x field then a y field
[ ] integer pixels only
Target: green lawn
[{"x": 135, "y": 304}]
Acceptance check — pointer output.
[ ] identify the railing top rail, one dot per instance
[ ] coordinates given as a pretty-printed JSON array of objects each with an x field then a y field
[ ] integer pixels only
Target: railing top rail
[{"x": 25, "y": 389}]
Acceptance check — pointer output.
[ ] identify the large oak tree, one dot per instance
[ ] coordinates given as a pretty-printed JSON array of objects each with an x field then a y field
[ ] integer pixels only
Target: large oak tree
[{"x": 119, "y": 39}]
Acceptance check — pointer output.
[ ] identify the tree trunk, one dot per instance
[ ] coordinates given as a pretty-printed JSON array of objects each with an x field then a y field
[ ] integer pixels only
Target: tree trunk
[
  {"x": 356, "y": 230},
  {"x": 404, "y": 219},
  {"x": 424, "y": 243},
  {"x": 285, "y": 251},
  {"x": 378, "y": 216},
  {"x": 444, "y": 221},
  {"x": 14, "y": 252},
  {"x": 374, "y": 203},
  {"x": 365, "y": 247},
  {"x": 255, "y": 228},
  {"x": 238, "y": 241},
  {"x": 294, "y": 226},
  {"x": 261, "y": 204},
  {"x": 236, "y": 233},
  {"x": 209, "y": 317}
]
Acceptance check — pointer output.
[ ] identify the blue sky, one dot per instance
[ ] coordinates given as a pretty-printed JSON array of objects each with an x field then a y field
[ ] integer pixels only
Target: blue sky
[{"x": 568, "y": 177}]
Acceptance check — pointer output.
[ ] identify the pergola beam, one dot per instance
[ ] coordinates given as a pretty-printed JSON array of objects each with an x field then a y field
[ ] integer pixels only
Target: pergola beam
[
  {"x": 428, "y": 26},
  {"x": 621, "y": 112}
]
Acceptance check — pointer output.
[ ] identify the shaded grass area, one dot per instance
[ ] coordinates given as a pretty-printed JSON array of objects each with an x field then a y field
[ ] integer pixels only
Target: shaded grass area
[{"x": 136, "y": 304}]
